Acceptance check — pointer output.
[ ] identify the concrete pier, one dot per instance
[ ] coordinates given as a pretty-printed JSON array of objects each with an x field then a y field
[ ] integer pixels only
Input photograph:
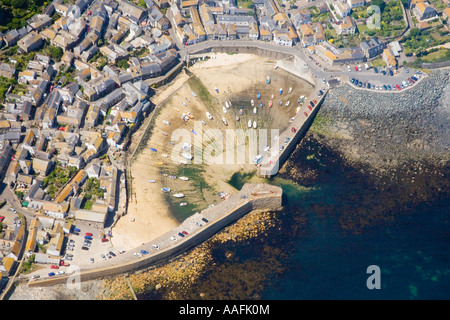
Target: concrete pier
[
  {"x": 301, "y": 123},
  {"x": 251, "y": 197}
]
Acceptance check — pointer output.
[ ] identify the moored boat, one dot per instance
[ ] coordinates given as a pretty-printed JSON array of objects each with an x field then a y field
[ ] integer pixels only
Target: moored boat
[
  {"x": 224, "y": 109},
  {"x": 270, "y": 104},
  {"x": 166, "y": 122},
  {"x": 227, "y": 105},
  {"x": 254, "y": 110},
  {"x": 252, "y": 102},
  {"x": 249, "y": 123},
  {"x": 178, "y": 195},
  {"x": 290, "y": 90},
  {"x": 165, "y": 189},
  {"x": 224, "y": 121},
  {"x": 281, "y": 90},
  {"x": 267, "y": 79},
  {"x": 287, "y": 104},
  {"x": 255, "y": 125},
  {"x": 209, "y": 116},
  {"x": 183, "y": 204},
  {"x": 184, "y": 178}
]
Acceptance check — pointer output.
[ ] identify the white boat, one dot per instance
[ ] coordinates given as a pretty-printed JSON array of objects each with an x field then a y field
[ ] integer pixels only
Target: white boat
[
  {"x": 273, "y": 96},
  {"x": 164, "y": 155},
  {"x": 254, "y": 110},
  {"x": 209, "y": 116},
  {"x": 267, "y": 149},
  {"x": 164, "y": 133},
  {"x": 187, "y": 146},
  {"x": 254, "y": 125},
  {"x": 224, "y": 109},
  {"x": 178, "y": 195},
  {"x": 165, "y": 189},
  {"x": 257, "y": 159},
  {"x": 252, "y": 102},
  {"x": 165, "y": 122},
  {"x": 287, "y": 104},
  {"x": 227, "y": 104},
  {"x": 297, "y": 110},
  {"x": 152, "y": 181},
  {"x": 183, "y": 178},
  {"x": 183, "y": 204},
  {"x": 249, "y": 123},
  {"x": 187, "y": 156},
  {"x": 224, "y": 121},
  {"x": 290, "y": 90}
]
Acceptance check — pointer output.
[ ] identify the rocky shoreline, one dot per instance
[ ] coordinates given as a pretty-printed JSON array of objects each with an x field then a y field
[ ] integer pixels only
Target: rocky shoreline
[{"x": 386, "y": 129}]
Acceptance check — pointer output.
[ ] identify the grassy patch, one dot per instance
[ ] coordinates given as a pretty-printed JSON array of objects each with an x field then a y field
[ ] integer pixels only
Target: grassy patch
[
  {"x": 378, "y": 63},
  {"x": 199, "y": 88},
  {"x": 320, "y": 124},
  {"x": 438, "y": 56}
]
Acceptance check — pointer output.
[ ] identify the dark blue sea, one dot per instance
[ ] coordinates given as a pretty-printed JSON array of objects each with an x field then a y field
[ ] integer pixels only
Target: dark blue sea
[{"x": 353, "y": 223}]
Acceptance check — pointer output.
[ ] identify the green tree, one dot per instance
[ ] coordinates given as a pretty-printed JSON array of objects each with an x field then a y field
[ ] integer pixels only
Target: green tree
[{"x": 56, "y": 53}]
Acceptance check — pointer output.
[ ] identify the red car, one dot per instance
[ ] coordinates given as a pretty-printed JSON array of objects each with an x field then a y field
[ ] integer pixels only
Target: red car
[
  {"x": 356, "y": 68},
  {"x": 54, "y": 267},
  {"x": 88, "y": 234},
  {"x": 398, "y": 87},
  {"x": 294, "y": 130},
  {"x": 105, "y": 240},
  {"x": 2, "y": 218},
  {"x": 309, "y": 107},
  {"x": 184, "y": 232},
  {"x": 314, "y": 100},
  {"x": 305, "y": 114}
]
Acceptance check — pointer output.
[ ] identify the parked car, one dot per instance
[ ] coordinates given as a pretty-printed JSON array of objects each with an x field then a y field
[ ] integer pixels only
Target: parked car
[
  {"x": 172, "y": 238},
  {"x": 112, "y": 253},
  {"x": 103, "y": 256},
  {"x": 184, "y": 232},
  {"x": 60, "y": 272},
  {"x": 88, "y": 234},
  {"x": 144, "y": 252},
  {"x": 51, "y": 274},
  {"x": 84, "y": 248},
  {"x": 398, "y": 87},
  {"x": 68, "y": 258},
  {"x": 54, "y": 267},
  {"x": 205, "y": 220},
  {"x": 180, "y": 234},
  {"x": 2, "y": 218},
  {"x": 36, "y": 276},
  {"x": 105, "y": 240},
  {"x": 286, "y": 141},
  {"x": 88, "y": 237},
  {"x": 368, "y": 85},
  {"x": 92, "y": 260}
]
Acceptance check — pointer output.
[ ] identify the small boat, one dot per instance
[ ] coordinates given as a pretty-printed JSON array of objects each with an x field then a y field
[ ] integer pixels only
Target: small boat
[
  {"x": 192, "y": 130},
  {"x": 241, "y": 111},
  {"x": 172, "y": 143},
  {"x": 183, "y": 178},
  {"x": 224, "y": 121},
  {"x": 183, "y": 204},
  {"x": 152, "y": 181},
  {"x": 215, "y": 89},
  {"x": 176, "y": 109},
  {"x": 258, "y": 95},
  {"x": 270, "y": 104},
  {"x": 184, "y": 103},
  {"x": 187, "y": 156},
  {"x": 267, "y": 149},
  {"x": 164, "y": 155},
  {"x": 249, "y": 123},
  {"x": 166, "y": 122},
  {"x": 292, "y": 120},
  {"x": 290, "y": 90},
  {"x": 237, "y": 118},
  {"x": 254, "y": 110},
  {"x": 267, "y": 79},
  {"x": 164, "y": 133},
  {"x": 281, "y": 90},
  {"x": 257, "y": 159},
  {"x": 194, "y": 94},
  {"x": 159, "y": 163},
  {"x": 172, "y": 177},
  {"x": 187, "y": 99},
  {"x": 260, "y": 105},
  {"x": 281, "y": 103},
  {"x": 178, "y": 195},
  {"x": 209, "y": 116},
  {"x": 254, "y": 125},
  {"x": 165, "y": 189},
  {"x": 153, "y": 149},
  {"x": 227, "y": 105},
  {"x": 273, "y": 96},
  {"x": 252, "y": 102},
  {"x": 287, "y": 104},
  {"x": 203, "y": 121},
  {"x": 224, "y": 109},
  {"x": 187, "y": 146}
]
